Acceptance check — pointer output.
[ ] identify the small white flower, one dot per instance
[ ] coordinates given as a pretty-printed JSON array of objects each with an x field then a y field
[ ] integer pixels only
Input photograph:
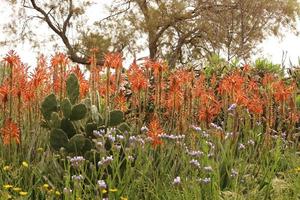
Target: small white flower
[
  {"x": 101, "y": 184},
  {"x": 251, "y": 142},
  {"x": 105, "y": 161},
  {"x": 241, "y": 146},
  {"x": 77, "y": 177},
  {"x": 77, "y": 161},
  {"x": 234, "y": 173},
  {"x": 144, "y": 129},
  {"x": 176, "y": 181},
  {"x": 208, "y": 168},
  {"x": 195, "y": 163},
  {"x": 206, "y": 180}
]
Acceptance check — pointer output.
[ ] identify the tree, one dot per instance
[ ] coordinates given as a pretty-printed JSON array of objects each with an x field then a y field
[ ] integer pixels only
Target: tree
[
  {"x": 66, "y": 21},
  {"x": 179, "y": 31},
  {"x": 185, "y": 31}
]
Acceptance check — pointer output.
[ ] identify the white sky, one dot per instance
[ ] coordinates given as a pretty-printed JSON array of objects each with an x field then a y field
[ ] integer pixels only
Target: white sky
[{"x": 272, "y": 48}]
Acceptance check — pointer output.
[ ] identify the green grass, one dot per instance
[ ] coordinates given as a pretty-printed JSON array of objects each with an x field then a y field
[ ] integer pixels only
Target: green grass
[{"x": 262, "y": 172}]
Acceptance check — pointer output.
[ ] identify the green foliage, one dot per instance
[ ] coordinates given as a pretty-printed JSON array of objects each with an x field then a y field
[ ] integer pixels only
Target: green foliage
[
  {"x": 66, "y": 108},
  {"x": 217, "y": 65},
  {"x": 78, "y": 112},
  {"x": 90, "y": 127},
  {"x": 68, "y": 127},
  {"x": 55, "y": 120},
  {"x": 58, "y": 139},
  {"x": 49, "y": 105},
  {"x": 79, "y": 144},
  {"x": 298, "y": 102},
  {"x": 116, "y": 117},
  {"x": 74, "y": 130},
  {"x": 264, "y": 66},
  {"x": 73, "y": 88}
]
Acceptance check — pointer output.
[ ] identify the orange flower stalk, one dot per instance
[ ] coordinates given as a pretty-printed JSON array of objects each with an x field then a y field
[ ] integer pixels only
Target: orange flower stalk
[
  {"x": 59, "y": 64},
  {"x": 154, "y": 132},
  {"x": 10, "y": 131},
  {"x": 4, "y": 92},
  {"x": 136, "y": 78},
  {"x": 12, "y": 58},
  {"x": 113, "y": 60},
  {"x": 121, "y": 103}
]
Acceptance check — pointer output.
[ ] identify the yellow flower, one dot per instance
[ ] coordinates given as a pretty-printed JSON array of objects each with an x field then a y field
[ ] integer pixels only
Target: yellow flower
[
  {"x": 57, "y": 193},
  {"x": 25, "y": 164},
  {"x": 124, "y": 198},
  {"x": 6, "y": 168},
  {"x": 51, "y": 191},
  {"x": 46, "y": 186},
  {"x": 17, "y": 189},
  {"x": 22, "y": 193},
  {"x": 7, "y": 186},
  {"x": 104, "y": 191},
  {"x": 113, "y": 190},
  {"x": 297, "y": 169},
  {"x": 40, "y": 150}
]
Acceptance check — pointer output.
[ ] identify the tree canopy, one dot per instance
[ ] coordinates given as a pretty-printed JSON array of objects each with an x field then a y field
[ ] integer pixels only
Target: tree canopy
[{"x": 178, "y": 31}]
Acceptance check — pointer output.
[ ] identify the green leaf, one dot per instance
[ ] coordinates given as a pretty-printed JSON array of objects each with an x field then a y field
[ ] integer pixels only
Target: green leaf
[
  {"x": 68, "y": 127},
  {"x": 79, "y": 144},
  {"x": 76, "y": 143},
  {"x": 89, "y": 128},
  {"x": 116, "y": 117},
  {"x": 58, "y": 139},
  {"x": 49, "y": 105},
  {"x": 73, "y": 88},
  {"x": 55, "y": 120},
  {"x": 66, "y": 108},
  {"x": 78, "y": 112}
]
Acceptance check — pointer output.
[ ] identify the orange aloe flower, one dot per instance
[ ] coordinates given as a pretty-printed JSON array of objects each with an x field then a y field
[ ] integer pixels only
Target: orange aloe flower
[
  {"x": 255, "y": 105},
  {"x": 136, "y": 78},
  {"x": 59, "y": 59},
  {"x": 4, "y": 91},
  {"x": 113, "y": 60},
  {"x": 10, "y": 131},
  {"x": 281, "y": 92},
  {"x": 12, "y": 58},
  {"x": 121, "y": 102},
  {"x": 154, "y": 132}
]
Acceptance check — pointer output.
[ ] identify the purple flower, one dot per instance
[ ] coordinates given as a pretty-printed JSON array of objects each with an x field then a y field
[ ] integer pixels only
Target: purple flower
[
  {"x": 195, "y": 163},
  {"x": 105, "y": 161},
  {"x": 77, "y": 177},
  {"x": 232, "y": 107},
  {"x": 241, "y": 146},
  {"x": 77, "y": 161},
  {"x": 101, "y": 184}
]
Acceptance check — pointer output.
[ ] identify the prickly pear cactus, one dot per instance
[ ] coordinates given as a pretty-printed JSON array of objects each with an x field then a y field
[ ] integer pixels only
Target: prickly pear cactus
[
  {"x": 79, "y": 144},
  {"x": 49, "y": 105},
  {"x": 73, "y": 88},
  {"x": 58, "y": 139},
  {"x": 64, "y": 119},
  {"x": 78, "y": 112},
  {"x": 66, "y": 108},
  {"x": 116, "y": 117},
  {"x": 72, "y": 123}
]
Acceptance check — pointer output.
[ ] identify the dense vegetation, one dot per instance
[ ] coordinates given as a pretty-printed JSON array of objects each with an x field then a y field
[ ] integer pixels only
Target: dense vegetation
[{"x": 148, "y": 132}]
